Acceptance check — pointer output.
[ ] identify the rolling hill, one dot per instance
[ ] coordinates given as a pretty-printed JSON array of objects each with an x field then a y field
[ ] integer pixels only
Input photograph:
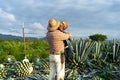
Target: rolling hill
[{"x": 12, "y": 37}]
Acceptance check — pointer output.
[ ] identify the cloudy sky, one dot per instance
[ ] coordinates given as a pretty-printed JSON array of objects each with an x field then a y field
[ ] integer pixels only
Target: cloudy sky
[{"x": 85, "y": 17}]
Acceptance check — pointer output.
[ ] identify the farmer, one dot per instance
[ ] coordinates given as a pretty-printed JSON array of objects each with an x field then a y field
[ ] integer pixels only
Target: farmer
[{"x": 55, "y": 40}]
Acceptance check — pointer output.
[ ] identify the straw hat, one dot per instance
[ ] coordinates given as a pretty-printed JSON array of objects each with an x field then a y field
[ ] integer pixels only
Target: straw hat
[
  {"x": 65, "y": 25},
  {"x": 53, "y": 25}
]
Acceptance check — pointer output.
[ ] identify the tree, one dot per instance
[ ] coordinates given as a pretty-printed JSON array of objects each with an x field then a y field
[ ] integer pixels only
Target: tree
[{"x": 98, "y": 37}]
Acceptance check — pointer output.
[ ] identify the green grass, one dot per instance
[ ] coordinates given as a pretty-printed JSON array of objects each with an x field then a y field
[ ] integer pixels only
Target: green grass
[{"x": 16, "y": 48}]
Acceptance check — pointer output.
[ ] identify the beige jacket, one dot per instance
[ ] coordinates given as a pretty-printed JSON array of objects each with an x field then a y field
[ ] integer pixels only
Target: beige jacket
[{"x": 55, "y": 41}]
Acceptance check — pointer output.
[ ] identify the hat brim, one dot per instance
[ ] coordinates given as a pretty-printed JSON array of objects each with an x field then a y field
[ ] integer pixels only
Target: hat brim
[{"x": 49, "y": 28}]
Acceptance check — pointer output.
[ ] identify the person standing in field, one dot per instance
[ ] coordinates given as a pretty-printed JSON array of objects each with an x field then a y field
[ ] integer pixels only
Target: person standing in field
[{"x": 55, "y": 40}]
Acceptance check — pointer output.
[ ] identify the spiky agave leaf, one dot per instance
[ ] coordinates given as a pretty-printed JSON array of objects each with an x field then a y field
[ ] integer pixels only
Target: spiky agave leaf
[
  {"x": 3, "y": 73},
  {"x": 97, "y": 78},
  {"x": 72, "y": 74},
  {"x": 38, "y": 77},
  {"x": 10, "y": 78}
]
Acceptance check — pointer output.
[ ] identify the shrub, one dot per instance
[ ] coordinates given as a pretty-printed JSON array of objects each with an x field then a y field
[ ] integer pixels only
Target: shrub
[{"x": 98, "y": 37}]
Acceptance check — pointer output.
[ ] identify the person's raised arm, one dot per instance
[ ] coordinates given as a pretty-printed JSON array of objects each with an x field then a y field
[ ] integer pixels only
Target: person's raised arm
[{"x": 64, "y": 36}]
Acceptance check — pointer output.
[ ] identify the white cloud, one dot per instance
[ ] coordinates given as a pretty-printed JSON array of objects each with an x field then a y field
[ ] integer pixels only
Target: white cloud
[
  {"x": 10, "y": 17},
  {"x": 7, "y": 16},
  {"x": 86, "y": 16},
  {"x": 37, "y": 26},
  {"x": 35, "y": 30}
]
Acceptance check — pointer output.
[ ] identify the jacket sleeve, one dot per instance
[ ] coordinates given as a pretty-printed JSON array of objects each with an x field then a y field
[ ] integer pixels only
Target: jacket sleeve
[{"x": 63, "y": 36}]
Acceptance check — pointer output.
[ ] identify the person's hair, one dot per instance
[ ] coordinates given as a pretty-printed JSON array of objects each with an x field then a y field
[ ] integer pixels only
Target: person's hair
[{"x": 61, "y": 27}]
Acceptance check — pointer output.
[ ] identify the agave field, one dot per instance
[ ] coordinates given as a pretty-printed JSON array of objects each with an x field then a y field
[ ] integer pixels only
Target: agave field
[{"x": 86, "y": 60}]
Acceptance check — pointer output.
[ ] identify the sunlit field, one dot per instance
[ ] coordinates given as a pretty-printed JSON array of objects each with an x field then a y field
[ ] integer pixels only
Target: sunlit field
[{"x": 87, "y": 60}]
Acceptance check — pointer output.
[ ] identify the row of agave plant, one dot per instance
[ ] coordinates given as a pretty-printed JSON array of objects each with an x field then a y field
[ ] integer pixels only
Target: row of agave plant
[
  {"x": 86, "y": 60},
  {"x": 36, "y": 69},
  {"x": 93, "y": 60}
]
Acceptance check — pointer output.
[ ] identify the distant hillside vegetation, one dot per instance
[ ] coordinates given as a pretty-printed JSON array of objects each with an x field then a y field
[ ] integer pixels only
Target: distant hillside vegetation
[{"x": 12, "y": 37}]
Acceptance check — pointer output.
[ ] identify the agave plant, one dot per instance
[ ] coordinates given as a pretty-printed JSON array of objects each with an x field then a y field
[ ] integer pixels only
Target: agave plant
[
  {"x": 3, "y": 71},
  {"x": 10, "y": 59},
  {"x": 23, "y": 68},
  {"x": 111, "y": 50},
  {"x": 79, "y": 52},
  {"x": 87, "y": 60},
  {"x": 42, "y": 66}
]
